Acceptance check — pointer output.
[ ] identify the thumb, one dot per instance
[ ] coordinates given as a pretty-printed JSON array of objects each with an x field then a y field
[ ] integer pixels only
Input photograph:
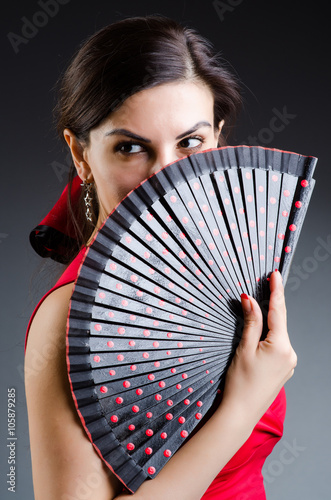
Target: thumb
[{"x": 253, "y": 322}]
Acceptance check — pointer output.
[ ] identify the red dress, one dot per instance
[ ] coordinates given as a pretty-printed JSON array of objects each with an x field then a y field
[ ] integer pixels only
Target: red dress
[{"x": 241, "y": 478}]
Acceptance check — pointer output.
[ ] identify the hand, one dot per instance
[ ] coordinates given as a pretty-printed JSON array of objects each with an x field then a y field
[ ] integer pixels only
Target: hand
[{"x": 259, "y": 369}]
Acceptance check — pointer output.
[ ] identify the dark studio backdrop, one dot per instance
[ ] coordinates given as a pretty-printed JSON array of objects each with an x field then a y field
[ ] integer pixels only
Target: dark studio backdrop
[{"x": 280, "y": 52}]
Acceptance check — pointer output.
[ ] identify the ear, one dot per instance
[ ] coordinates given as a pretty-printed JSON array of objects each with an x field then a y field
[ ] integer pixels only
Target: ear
[
  {"x": 218, "y": 131},
  {"x": 77, "y": 153}
]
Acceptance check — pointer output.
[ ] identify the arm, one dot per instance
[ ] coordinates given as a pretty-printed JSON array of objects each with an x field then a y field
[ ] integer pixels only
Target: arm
[
  {"x": 65, "y": 465},
  {"x": 62, "y": 455}
]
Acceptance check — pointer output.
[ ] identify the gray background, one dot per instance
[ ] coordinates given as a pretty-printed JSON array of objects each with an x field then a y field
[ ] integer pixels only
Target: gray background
[{"x": 280, "y": 51}]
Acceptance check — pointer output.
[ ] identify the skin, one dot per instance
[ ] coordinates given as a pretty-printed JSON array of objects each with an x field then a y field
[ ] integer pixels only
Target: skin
[{"x": 63, "y": 459}]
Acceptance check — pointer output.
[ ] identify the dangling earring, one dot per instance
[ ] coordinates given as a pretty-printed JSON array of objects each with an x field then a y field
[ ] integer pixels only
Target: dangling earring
[{"x": 88, "y": 199}]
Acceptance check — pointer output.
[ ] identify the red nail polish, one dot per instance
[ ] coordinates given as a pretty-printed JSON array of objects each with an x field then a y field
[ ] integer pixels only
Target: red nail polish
[
  {"x": 244, "y": 296},
  {"x": 276, "y": 270}
]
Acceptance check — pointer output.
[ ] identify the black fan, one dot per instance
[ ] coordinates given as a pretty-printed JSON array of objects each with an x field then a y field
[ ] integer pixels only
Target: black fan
[{"x": 155, "y": 316}]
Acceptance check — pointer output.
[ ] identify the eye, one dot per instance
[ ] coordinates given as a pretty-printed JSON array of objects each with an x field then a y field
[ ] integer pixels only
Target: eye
[
  {"x": 129, "y": 148},
  {"x": 192, "y": 142}
]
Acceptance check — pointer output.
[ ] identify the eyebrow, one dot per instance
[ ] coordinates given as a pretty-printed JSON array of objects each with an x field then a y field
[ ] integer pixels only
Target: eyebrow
[{"x": 123, "y": 131}]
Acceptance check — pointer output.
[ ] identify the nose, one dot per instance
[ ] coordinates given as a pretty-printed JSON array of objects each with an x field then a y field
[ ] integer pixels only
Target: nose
[{"x": 163, "y": 158}]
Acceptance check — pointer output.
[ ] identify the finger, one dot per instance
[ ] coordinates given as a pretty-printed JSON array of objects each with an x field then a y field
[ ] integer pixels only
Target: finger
[
  {"x": 252, "y": 322},
  {"x": 277, "y": 309}
]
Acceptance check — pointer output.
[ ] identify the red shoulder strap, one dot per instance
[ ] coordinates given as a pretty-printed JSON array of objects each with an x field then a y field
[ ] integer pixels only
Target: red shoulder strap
[{"x": 68, "y": 276}]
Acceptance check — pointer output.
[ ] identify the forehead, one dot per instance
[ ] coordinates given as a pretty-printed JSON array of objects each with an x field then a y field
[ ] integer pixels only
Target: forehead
[{"x": 166, "y": 109}]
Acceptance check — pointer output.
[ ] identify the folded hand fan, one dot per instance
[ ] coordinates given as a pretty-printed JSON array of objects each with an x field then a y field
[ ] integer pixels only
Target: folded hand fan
[{"x": 155, "y": 315}]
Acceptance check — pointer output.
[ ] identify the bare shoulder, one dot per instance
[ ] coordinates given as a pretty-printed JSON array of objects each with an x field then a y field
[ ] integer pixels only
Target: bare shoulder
[{"x": 64, "y": 461}]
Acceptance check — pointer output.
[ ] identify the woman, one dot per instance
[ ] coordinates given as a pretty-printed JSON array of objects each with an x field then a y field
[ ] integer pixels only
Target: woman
[{"x": 140, "y": 94}]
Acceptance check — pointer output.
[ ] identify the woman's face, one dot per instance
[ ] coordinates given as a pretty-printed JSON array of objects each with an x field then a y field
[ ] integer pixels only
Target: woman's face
[{"x": 151, "y": 129}]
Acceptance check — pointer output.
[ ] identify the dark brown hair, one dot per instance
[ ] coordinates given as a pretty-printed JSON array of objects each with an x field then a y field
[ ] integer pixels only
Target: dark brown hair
[{"x": 129, "y": 56}]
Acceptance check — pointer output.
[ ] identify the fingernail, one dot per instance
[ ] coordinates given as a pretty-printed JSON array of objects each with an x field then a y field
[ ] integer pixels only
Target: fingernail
[
  {"x": 246, "y": 304},
  {"x": 276, "y": 270}
]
